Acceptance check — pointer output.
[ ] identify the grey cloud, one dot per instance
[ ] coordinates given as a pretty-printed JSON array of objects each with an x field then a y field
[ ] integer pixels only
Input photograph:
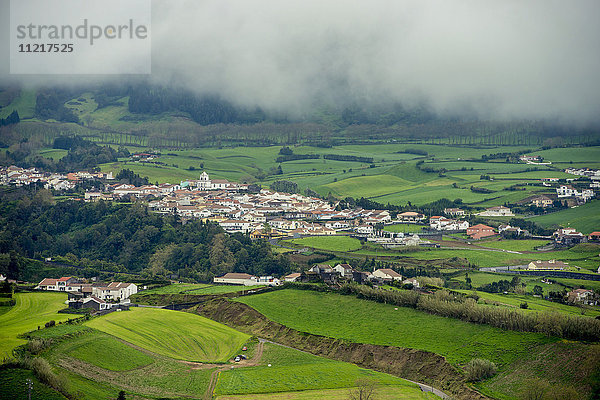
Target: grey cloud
[{"x": 498, "y": 59}]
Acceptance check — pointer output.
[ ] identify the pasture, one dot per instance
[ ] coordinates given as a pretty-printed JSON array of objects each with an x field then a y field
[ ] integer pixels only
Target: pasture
[
  {"x": 174, "y": 334},
  {"x": 382, "y": 393},
  {"x": 585, "y": 218},
  {"x": 105, "y": 352},
  {"x": 292, "y": 370},
  {"x": 31, "y": 311},
  {"x": 349, "y": 318}
]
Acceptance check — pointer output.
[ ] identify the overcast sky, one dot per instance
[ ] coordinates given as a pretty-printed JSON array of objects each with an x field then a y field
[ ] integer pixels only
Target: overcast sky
[{"x": 498, "y": 59}]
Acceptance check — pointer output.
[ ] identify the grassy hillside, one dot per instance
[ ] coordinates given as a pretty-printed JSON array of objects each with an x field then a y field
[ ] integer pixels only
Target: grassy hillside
[
  {"x": 106, "y": 352},
  {"x": 31, "y": 311},
  {"x": 382, "y": 392},
  {"x": 585, "y": 218},
  {"x": 363, "y": 321},
  {"x": 292, "y": 370},
  {"x": 174, "y": 334}
]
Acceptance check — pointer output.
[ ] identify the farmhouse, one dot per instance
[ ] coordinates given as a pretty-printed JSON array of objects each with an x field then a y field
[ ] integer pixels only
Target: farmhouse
[
  {"x": 95, "y": 303},
  {"x": 454, "y": 212},
  {"x": 568, "y": 236},
  {"x": 541, "y": 201},
  {"x": 411, "y": 216},
  {"x": 387, "y": 274},
  {"x": 551, "y": 265},
  {"x": 344, "y": 270},
  {"x": 64, "y": 284},
  {"x": 585, "y": 296},
  {"x": 480, "y": 231},
  {"x": 292, "y": 277},
  {"x": 117, "y": 291}
]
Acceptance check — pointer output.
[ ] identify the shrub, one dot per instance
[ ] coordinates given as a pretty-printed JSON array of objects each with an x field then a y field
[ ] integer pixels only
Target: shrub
[
  {"x": 50, "y": 324},
  {"x": 524, "y": 305},
  {"x": 479, "y": 369}
]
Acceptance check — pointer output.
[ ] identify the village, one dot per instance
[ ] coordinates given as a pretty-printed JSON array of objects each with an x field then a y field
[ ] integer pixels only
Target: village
[{"x": 266, "y": 214}]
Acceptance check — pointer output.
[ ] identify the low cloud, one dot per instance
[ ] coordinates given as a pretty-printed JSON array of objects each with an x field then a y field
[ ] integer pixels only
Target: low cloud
[{"x": 502, "y": 60}]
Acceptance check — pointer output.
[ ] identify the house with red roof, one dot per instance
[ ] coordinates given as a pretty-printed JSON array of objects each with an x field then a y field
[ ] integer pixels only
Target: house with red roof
[{"x": 480, "y": 231}]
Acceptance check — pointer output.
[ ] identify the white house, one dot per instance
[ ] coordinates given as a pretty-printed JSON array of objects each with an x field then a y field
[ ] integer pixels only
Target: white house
[
  {"x": 114, "y": 291},
  {"x": 344, "y": 269},
  {"x": 387, "y": 274}
]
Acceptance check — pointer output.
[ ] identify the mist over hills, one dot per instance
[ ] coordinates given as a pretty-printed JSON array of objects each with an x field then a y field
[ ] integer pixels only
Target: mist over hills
[{"x": 496, "y": 61}]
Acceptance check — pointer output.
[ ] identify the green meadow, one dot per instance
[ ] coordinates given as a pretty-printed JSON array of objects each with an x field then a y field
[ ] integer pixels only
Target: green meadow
[
  {"x": 283, "y": 369},
  {"x": 382, "y": 393},
  {"x": 98, "y": 366},
  {"x": 585, "y": 218},
  {"x": 31, "y": 311},
  {"x": 173, "y": 334},
  {"x": 106, "y": 352},
  {"x": 362, "y": 321}
]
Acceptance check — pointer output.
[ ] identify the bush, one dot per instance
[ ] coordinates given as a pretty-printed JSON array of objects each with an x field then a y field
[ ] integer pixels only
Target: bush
[
  {"x": 524, "y": 305},
  {"x": 479, "y": 369},
  {"x": 50, "y": 324}
]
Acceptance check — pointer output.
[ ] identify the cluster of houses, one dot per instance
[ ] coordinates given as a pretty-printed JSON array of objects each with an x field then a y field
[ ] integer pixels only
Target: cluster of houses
[
  {"x": 97, "y": 295},
  {"x": 26, "y": 176},
  {"x": 320, "y": 272}
]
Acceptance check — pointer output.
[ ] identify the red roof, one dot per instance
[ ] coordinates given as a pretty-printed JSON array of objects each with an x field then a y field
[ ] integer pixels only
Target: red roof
[{"x": 64, "y": 279}]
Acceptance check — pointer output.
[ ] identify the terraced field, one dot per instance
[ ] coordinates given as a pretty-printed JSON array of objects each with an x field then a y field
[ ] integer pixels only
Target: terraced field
[
  {"x": 173, "y": 334},
  {"x": 31, "y": 310}
]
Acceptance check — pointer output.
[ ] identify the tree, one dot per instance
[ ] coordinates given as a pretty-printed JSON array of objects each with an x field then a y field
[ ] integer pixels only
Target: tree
[
  {"x": 121, "y": 395},
  {"x": 364, "y": 390},
  {"x": 538, "y": 291}
]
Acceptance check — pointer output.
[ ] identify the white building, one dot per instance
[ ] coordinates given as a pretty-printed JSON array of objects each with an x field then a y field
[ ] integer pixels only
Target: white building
[
  {"x": 498, "y": 211},
  {"x": 387, "y": 274}
]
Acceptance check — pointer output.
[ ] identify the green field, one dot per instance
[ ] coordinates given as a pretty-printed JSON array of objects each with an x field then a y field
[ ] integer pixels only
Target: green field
[
  {"x": 173, "y": 334},
  {"x": 293, "y": 370},
  {"x": 585, "y": 218},
  {"x": 332, "y": 243},
  {"x": 92, "y": 370},
  {"x": 107, "y": 352},
  {"x": 406, "y": 228},
  {"x": 363, "y": 321},
  {"x": 382, "y": 393},
  {"x": 584, "y": 256},
  {"x": 175, "y": 288},
  {"x": 514, "y": 245},
  {"x": 31, "y": 311}
]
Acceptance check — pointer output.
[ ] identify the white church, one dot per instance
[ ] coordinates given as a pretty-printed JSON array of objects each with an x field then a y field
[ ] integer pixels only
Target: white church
[{"x": 205, "y": 183}]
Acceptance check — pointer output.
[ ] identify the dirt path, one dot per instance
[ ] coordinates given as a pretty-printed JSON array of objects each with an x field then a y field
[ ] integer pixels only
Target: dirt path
[{"x": 214, "y": 377}]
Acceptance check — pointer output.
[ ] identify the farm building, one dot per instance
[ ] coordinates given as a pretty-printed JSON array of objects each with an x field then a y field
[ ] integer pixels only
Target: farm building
[
  {"x": 344, "y": 269},
  {"x": 547, "y": 265},
  {"x": 292, "y": 277},
  {"x": 498, "y": 211},
  {"x": 411, "y": 216},
  {"x": 585, "y": 296}
]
